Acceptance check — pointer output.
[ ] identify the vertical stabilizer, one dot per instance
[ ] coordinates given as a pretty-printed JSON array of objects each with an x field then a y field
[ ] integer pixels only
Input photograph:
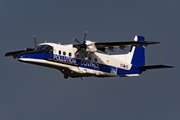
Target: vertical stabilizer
[{"x": 136, "y": 55}]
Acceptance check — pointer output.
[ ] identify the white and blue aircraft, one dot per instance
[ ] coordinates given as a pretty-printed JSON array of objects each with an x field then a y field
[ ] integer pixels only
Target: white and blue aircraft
[{"x": 87, "y": 59}]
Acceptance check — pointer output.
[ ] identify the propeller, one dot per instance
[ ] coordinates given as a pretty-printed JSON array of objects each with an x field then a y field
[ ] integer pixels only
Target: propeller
[
  {"x": 35, "y": 40},
  {"x": 35, "y": 44},
  {"x": 80, "y": 46}
]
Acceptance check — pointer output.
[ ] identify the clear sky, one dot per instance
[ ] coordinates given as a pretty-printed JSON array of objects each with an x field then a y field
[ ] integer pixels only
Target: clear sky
[{"x": 29, "y": 92}]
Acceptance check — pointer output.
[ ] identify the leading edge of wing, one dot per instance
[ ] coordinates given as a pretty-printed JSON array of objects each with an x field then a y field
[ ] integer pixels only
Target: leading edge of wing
[{"x": 128, "y": 43}]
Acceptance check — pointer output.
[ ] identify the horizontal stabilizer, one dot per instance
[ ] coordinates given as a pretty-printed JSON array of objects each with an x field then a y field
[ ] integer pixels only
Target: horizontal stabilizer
[{"x": 149, "y": 67}]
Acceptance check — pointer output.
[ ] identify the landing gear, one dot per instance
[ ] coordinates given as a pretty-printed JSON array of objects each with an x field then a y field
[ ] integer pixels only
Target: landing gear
[{"x": 66, "y": 77}]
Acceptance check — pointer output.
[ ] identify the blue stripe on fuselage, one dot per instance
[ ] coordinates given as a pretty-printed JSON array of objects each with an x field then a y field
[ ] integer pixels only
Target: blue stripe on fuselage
[{"x": 82, "y": 63}]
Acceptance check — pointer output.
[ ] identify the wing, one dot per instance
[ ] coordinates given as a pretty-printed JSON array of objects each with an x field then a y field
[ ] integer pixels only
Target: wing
[
  {"x": 16, "y": 53},
  {"x": 103, "y": 45}
]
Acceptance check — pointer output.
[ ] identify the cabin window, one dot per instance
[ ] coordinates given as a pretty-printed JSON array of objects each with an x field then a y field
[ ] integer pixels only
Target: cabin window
[
  {"x": 95, "y": 59},
  {"x": 70, "y": 54},
  {"x": 60, "y": 52},
  {"x": 64, "y": 53}
]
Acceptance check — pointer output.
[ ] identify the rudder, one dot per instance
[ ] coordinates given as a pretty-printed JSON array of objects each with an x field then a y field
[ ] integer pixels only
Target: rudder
[{"x": 138, "y": 52}]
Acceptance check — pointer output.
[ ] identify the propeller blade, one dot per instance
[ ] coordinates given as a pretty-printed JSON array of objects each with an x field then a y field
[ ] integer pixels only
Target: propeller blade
[
  {"x": 85, "y": 35},
  {"x": 34, "y": 40},
  {"x": 78, "y": 50},
  {"x": 76, "y": 40}
]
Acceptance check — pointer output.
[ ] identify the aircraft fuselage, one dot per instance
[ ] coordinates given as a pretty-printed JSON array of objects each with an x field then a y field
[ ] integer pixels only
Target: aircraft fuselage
[{"x": 70, "y": 63}]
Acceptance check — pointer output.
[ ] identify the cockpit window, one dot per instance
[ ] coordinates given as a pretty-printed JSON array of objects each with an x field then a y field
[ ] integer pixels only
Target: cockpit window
[{"x": 45, "y": 48}]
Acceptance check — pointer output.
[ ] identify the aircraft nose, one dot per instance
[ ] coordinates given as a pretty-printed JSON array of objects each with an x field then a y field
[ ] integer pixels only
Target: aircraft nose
[
  {"x": 23, "y": 57},
  {"x": 32, "y": 55}
]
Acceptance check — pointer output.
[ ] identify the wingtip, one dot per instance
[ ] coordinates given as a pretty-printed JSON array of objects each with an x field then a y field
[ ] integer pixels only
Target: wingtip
[{"x": 5, "y": 54}]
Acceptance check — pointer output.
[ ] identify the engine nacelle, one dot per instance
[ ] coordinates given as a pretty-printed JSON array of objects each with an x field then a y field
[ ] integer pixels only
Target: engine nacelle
[{"x": 90, "y": 46}]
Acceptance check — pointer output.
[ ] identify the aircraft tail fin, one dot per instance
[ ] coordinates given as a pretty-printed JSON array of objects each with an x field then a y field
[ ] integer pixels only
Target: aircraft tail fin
[
  {"x": 136, "y": 56},
  {"x": 150, "y": 67}
]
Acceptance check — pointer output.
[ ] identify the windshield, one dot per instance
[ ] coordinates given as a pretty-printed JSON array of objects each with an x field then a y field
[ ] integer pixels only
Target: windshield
[{"x": 46, "y": 48}]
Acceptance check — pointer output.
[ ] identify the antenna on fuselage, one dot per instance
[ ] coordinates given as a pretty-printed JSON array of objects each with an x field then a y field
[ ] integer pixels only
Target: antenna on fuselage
[{"x": 35, "y": 40}]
